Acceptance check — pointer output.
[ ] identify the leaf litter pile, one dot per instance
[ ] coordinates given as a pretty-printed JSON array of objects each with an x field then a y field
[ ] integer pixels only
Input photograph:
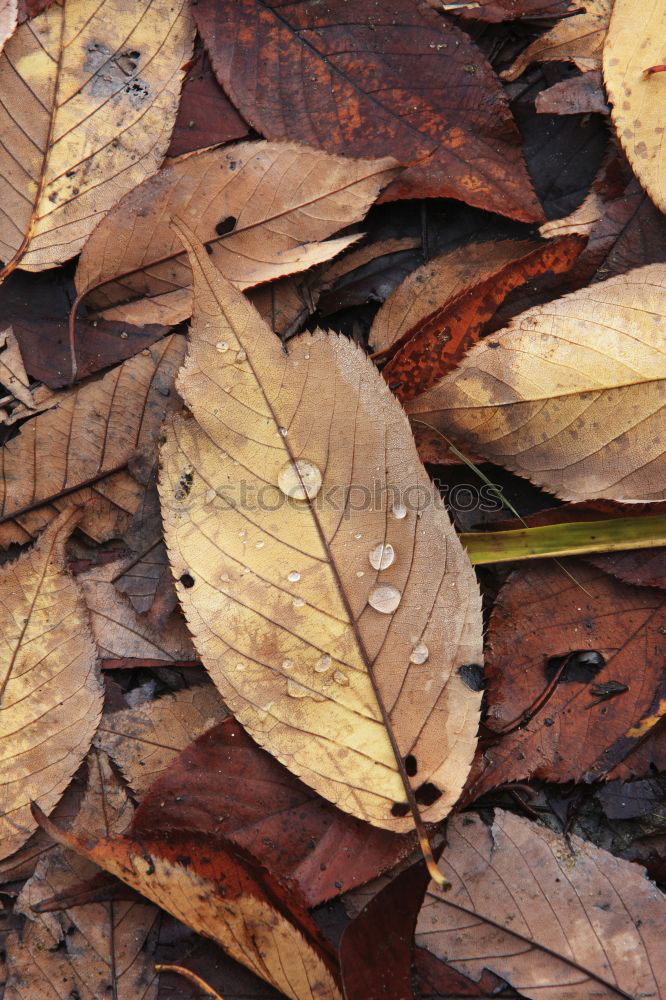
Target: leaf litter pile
[{"x": 332, "y": 499}]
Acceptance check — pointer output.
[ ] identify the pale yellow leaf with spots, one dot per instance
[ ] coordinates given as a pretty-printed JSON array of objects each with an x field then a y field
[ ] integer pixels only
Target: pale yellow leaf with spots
[
  {"x": 89, "y": 92},
  {"x": 334, "y": 622},
  {"x": 636, "y": 44},
  {"x": 571, "y": 394},
  {"x": 51, "y": 693}
]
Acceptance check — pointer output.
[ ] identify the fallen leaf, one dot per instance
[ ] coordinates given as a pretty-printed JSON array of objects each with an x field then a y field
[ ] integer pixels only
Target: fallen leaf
[
  {"x": 610, "y": 632},
  {"x": 411, "y": 85},
  {"x": 368, "y": 274},
  {"x": 645, "y": 568},
  {"x": 340, "y": 672},
  {"x": 206, "y": 116},
  {"x": 8, "y": 19},
  {"x": 638, "y": 98},
  {"x": 578, "y": 39},
  {"x": 631, "y": 799},
  {"x": 90, "y": 951},
  {"x": 50, "y": 693},
  {"x": 581, "y": 95},
  {"x": 120, "y": 631},
  {"x": 31, "y": 8},
  {"x": 226, "y": 787},
  {"x": 73, "y": 82},
  {"x": 220, "y": 896},
  {"x": 435, "y": 979},
  {"x": 569, "y": 394},
  {"x": 263, "y": 210},
  {"x": 86, "y": 440},
  {"x": 545, "y": 914},
  {"x": 439, "y": 310},
  {"x": 144, "y": 741},
  {"x": 12, "y": 370},
  {"x": 492, "y": 11},
  {"x": 384, "y": 929}
]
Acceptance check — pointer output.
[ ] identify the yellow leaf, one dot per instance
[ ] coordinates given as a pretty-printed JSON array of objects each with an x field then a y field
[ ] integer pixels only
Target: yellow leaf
[
  {"x": 634, "y": 45},
  {"x": 570, "y": 394},
  {"x": 50, "y": 689},
  {"x": 336, "y": 623},
  {"x": 88, "y": 97}
]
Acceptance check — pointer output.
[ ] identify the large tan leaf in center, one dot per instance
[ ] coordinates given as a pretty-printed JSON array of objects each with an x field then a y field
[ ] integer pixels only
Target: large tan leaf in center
[
  {"x": 286, "y": 610},
  {"x": 88, "y": 97},
  {"x": 570, "y": 394}
]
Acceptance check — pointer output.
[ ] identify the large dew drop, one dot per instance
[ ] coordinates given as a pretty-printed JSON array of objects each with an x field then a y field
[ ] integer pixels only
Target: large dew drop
[
  {"x": 419, "y": 653},
  {"x": 382, "y": 556},
  {"x": 399, "y": 511},
  {"x": 300, "y": 480},
  {"x": 323, "y": 663},
  {"x": 385, "y": 598}
]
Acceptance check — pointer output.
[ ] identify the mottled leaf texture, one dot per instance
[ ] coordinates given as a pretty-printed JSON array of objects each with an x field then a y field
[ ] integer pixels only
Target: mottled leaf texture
[
  {"x": 90, "y": 951},
  {"x": 144, "y": 741},
  {"x": 263, "y": 209},
  {"x": 612, "y": 633},
  {"x": 552, "y": 917},
  {"x": 374, "y": 79},
  {"x": 237, "y": 791},
  {"x": 634, "y": 45},
  {"x": 298, "y": 629},
  {"x": 50, "y": 689},
  {"x": 8, "y": 17},
  {"x": 88, "y": 98},
  {"x": 217, "y": 895},
  {"x": 440, "y": 309},
  {"x": 91, "y": 433},
  {"x": 570, "y": 394},
  {"x": 578, "y": 39},
  {"x": 493, "y": 11}
]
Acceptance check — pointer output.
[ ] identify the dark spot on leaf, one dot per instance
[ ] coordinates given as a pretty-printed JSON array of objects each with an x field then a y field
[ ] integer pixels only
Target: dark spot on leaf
[
  {"x": 472, "y": 675},
  {"x": 582, "y": 667},
  {"x": 399, "y": 809},
  {"x": 187, "y": 580},
  {"x": 411, "y": 766},
  {"x": 427, "y": 793},
  {"x": 182, "y": 491},
  {"x": 225, "y": 226}
]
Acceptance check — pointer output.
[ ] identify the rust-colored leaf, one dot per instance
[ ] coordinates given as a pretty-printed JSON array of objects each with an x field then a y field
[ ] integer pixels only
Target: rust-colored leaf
[
  {"x": 374, "y": 80},
  {"x": 50, "y": 688},
  {"x": 610, "y": 633},
  {"x": 438, "y": 312},
  {"x": 225, "y": 786}
]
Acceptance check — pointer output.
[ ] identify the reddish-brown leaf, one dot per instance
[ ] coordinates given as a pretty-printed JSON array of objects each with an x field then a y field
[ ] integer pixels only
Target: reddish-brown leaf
[
  {"x": 436, "y": 979},
  {"x": 579, "y": 95},
  {"x": 369, "y": 79},
  {"x": 542, "y": 616},
  {"x": 492, "y": 11},
  {"x": 439, "y": 311},
  {"x": 225, "y": 786}
]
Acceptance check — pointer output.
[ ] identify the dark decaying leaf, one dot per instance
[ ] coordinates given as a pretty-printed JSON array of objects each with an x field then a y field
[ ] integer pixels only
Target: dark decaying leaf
[
  {"x": 369, "y": 80},
  {"x": 607, "y": 632},
  {"x": 225, "y": 786},
  {"x": 578, "y": 95},
  {"x": 436, "y": 979},
  {"x": 493, "y": 11},
  {"x": 631, "y": 799}
]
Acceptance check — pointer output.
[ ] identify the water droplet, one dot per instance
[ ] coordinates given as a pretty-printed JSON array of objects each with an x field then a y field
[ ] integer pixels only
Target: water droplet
[
  {"x": 222, "y": 346},
  {"x": 420, "y": 653},
  {"x": 294, "y": 576},
  {"x": 298, "y": 602},
  {"x": 259, "y": 545},
  {"x": 296, "y": 690},
  {"x": 341, "y": 678},
  {"x": 242, "y": 534},
  {"x": 358, "y": 535},
  {"x": 283, "y": 431},
  {"x": 382, "y": 556},
  {"x": 307, "y": 357},
  {"x": 399, "y": 511},
  {"x": 385, "y": 598},
  {"x": 360, "y": 573},
  {"x": 323, "y": 664},
  {"x": 300, "y": 480},
  {"x": 287, "y": 664},
  {"x": 225, "y": 578},
  {"x": 240, "y": 666},
  {"x": 241, "y": 355},
  {"x": 210, "y": 495}
]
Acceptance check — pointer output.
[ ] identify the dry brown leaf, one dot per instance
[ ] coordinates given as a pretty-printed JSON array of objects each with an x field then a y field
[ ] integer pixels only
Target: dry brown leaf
[
  {"x": 313, "y": 648},
  {"x": 223, "y": 897},
  {"x": 578, "y": 39},
  {"x": 120, "y": 631},
  {"x": 551, "y": 917},
  {"x": 8, "y": 19},
  {"x": 90, "y": 951},
  {"x": 88, "y": 98},
  {"x": 50, "y": 688},
  {"x": 570, "y": 394},
  {"x": 143, "y": 741},
  {"x": 634, "y": 45},
  {"x": 92, "y": 433},
  {"x": 264, "y": 210},
  {"x": 12, "y": 370}
]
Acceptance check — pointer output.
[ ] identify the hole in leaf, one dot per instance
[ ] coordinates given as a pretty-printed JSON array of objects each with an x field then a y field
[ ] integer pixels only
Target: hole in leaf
[
  {"x": 187, "y": 580},
  {"x": 427, "y": 793},
  {"x": 399, "y": 809},
  {"x": 225, "y": 226},
  {"x": 209, "y": 249},
  {"x": 582, "y": 667},
  {"x": 411, "y": 765},
  {"x": 472, "y": 675}
]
